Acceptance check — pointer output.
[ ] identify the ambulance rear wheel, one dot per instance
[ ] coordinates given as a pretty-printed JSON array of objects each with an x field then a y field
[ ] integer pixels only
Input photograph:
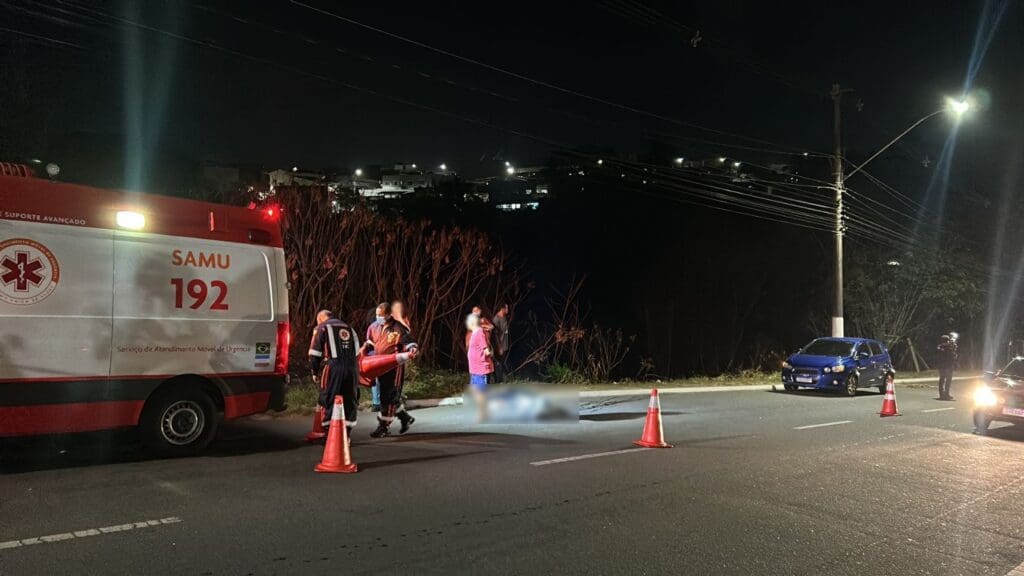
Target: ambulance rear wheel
[{"x": 178, "y": 421}]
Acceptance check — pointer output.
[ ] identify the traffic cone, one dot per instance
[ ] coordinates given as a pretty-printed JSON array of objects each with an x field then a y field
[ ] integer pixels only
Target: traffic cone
[
  {"x": 336, "y": 454},
  {"x": 654, "y": 436},
  {"x": 370, "y": 367},
  {"x": 317, "y": 433},
  {"x": 889, "y": 404}
]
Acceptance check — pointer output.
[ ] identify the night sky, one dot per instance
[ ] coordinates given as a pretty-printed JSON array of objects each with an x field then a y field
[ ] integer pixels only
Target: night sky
[{"x": 278, "y": 83}]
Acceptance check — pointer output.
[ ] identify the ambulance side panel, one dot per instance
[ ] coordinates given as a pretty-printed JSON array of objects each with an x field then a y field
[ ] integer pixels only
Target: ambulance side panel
[
  {"x": 185, "y": 306},
  {"x": 55, "y": 328}
]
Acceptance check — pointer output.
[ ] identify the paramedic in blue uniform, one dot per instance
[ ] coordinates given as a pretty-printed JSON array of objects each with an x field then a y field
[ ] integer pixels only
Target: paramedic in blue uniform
[{"x": 333, "y": 361}]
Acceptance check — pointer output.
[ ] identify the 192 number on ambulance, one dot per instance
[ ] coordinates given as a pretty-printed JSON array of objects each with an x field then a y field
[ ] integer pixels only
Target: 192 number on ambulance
[{"x": 198, "y": 291}]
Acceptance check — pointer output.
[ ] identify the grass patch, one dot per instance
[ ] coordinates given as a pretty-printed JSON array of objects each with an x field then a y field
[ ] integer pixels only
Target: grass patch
[
  {"x": 302, "y": 394},
  {"x": 738, "y": 379}
]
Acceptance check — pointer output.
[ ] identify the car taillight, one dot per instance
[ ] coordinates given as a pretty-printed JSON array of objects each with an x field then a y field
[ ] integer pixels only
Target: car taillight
[{"x": 284, "y": 341}]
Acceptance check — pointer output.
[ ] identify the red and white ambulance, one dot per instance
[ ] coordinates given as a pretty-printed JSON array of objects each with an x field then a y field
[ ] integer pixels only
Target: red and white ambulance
[{"x": 121, "y": 309}]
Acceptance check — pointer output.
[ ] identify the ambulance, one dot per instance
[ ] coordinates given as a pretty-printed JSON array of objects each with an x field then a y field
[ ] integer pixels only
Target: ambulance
[{"x": 121, "y": 309}]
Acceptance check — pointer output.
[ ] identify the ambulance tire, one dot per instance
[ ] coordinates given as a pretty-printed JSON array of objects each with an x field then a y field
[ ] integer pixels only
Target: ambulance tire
[{"x": 178, "y": 420}]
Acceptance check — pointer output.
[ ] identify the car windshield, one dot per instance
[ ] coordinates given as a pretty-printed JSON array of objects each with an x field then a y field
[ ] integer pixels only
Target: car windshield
[
  {"x": 1015, "y": 369},
  {"x": 828, "y": 348}
]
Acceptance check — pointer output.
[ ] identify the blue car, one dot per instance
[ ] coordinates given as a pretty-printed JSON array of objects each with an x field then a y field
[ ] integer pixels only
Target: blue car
[{"x": 842, "y": 364}]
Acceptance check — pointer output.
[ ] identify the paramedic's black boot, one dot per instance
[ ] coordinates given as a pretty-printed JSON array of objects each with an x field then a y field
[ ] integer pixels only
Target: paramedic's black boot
[
  {"x": 406, "y": 421},
  {"x": 381, "y": 431}
]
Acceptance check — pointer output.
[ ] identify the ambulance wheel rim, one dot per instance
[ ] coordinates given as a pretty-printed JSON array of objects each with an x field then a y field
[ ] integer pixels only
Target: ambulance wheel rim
[{"x": 183, "y": 423}]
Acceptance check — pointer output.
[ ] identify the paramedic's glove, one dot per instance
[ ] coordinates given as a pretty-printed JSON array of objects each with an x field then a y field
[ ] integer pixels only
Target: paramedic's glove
[
  {"x": 316, "y": 379},
  {"x": 414, "y": 352}
]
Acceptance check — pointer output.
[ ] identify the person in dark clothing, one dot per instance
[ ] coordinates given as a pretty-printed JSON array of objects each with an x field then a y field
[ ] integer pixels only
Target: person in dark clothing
[
  {"x": 333, "y": 362},
  {"x": 500, "y": 341},
  {"x": 947, "y": 360},
  {"x": 389, "y": 337}
]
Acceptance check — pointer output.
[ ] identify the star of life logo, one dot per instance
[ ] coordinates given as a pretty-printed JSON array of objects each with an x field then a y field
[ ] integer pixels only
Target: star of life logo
[{"x": 29, "y": 272}]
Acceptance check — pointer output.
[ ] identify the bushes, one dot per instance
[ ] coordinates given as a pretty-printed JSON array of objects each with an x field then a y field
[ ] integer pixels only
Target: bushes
[{"x": 350, "y": 259}]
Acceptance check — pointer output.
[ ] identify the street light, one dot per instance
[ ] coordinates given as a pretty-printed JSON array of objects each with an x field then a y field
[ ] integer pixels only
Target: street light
[
  {"x": 510, "y": 170},
  {"x": 953, "y": 106},
  {"x": 359, "y": 172},
  {"x": 443, "y": 166},
  {"x": 680, "y": 160},
  {"x": 957, "y": 107}
]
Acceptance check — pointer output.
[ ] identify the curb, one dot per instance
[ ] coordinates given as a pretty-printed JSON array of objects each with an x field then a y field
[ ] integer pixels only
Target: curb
[
  {"x": 724, "y": 388},
  {"x": 434, "y": 402},
  {"x": 459, "y": 401}
]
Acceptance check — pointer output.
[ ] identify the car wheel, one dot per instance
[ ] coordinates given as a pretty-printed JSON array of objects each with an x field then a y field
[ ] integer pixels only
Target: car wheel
[
  {"x": 981, "y": 423},
  {"x": 888, "y": 380},
  {"x": 851, "y": 386},
  {"x": 178, "y": 421},
  {"x": 790, "y": 387}
]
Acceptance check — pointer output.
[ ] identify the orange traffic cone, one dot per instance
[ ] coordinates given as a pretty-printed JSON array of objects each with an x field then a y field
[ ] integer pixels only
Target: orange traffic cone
[
  {"x": 889, "y": 404},
  {"x": 370, "y": 367},
  {"x": 654, "y": 436},
  {"x": 317, "y": 433},
  {"x": 336, "y": 454}
]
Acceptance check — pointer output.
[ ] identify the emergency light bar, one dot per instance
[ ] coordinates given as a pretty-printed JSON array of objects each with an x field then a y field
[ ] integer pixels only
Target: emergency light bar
[{"x": 131, "y": 220}]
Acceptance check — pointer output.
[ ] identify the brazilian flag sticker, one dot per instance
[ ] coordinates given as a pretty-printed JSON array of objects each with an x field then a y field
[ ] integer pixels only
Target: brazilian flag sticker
[{"x": 263, "y": 351}]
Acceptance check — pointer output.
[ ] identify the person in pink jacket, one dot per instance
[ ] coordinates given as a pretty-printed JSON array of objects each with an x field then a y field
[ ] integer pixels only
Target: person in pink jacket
[{"x": 481, "y": 364}]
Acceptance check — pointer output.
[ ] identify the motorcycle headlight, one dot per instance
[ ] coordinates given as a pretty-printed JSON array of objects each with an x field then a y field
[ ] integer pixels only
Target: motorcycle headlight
[
  {"x": 984, "y": 396},
  {"x": 786, "y": 365}
]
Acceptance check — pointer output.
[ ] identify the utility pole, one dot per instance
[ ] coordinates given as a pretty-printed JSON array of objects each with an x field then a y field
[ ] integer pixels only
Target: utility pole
[{"x": 837, "y": 173}]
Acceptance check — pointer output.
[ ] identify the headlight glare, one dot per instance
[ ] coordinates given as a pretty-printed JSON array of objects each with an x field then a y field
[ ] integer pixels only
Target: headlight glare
[{"x": 984, "y": 396}]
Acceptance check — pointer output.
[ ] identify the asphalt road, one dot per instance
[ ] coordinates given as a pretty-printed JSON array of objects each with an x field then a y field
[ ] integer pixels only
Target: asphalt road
[{"x": 757, "y": 483}]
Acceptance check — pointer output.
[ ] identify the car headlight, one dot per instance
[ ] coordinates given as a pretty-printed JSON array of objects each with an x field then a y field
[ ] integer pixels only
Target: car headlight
[
  {"x": 838, "y": 368},
  {"x": 786, "y": 365},
  {"x": 984, "y": 396}
]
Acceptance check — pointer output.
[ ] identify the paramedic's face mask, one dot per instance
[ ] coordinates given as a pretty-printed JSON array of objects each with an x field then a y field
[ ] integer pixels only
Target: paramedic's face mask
[{"x": 381, "y": 319}]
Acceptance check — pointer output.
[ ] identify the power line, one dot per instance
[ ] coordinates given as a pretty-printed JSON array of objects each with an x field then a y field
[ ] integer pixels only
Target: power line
[{"x": 528, "y": 79}]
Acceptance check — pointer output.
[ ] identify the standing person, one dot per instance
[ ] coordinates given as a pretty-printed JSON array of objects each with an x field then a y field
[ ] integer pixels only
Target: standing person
[
  {"x": 500, "y": 339},
  {"x": 333, "y": 362},
  {"x": 380, "y": 313},
  {"x": 398, "y": 313},
  {"x": 481, "y": 364},
  {"x": 947, "y": 360},
  {"x": 484, "y": 322},
  {"x": 389, "y": 337}
]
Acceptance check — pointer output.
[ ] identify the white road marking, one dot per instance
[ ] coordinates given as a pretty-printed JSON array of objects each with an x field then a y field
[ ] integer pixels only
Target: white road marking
[
  {"x": 836, "y": 423},
  {"x": 939, "y": 409},
  {"x": 88, "y": 532},
  {"x": 586, "y": 456},
  {"x": 1018, "y": 571}
]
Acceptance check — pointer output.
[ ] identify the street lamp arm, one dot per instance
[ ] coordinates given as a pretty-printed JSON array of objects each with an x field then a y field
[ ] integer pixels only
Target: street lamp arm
[{"x": 893, "y": 141}]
